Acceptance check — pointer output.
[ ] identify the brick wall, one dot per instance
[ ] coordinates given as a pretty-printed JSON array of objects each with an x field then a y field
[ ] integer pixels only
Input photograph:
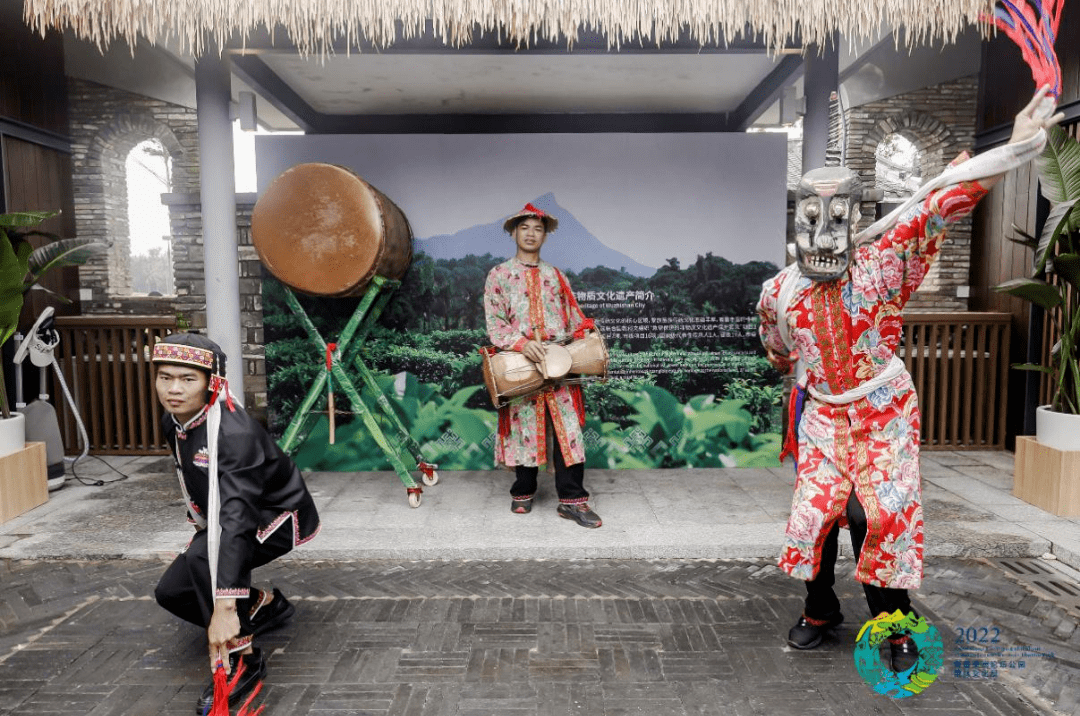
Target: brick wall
[
  {"x": 185, "y": 211},
  {"x": 940, "y": 121},
  {"x": 106, "y": 124}
]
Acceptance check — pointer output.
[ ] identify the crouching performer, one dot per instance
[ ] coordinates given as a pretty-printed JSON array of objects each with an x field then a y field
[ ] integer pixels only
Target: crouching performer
[
  {"x": 247, "y": 500},
  {"x": 834, "y": 317}
]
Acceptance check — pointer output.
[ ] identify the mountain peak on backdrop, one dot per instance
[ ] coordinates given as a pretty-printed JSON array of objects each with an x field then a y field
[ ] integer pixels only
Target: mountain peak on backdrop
[{"x": 571, "y": 248}]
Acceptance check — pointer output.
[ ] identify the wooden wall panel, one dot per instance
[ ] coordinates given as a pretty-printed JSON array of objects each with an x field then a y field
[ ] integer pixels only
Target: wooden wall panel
[
  {"x": 33, "y": 89},
  {"x": 39, "y": 178},
  {"x": 1005, "y": 82}
]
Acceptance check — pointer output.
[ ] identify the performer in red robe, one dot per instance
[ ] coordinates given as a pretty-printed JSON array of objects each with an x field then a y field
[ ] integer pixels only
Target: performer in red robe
[
  {"x": 527, "y": 303},
  {"x": 837, "y": 314}
]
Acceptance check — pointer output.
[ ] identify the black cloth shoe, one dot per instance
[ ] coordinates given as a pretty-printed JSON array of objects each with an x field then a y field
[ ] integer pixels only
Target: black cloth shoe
[
  {"x": 521, "y": 506},
  {"x": 903, "y": 653},
  {"x": 808, "y": 633},
  {"x": 254, "y": 672},
  {"x": 581, "y": 514},
  {"x": 272, "y": 615}
]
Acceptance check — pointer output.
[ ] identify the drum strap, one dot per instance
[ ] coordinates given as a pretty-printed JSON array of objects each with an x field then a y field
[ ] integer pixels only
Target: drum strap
[{"x": 586, "y": 323}]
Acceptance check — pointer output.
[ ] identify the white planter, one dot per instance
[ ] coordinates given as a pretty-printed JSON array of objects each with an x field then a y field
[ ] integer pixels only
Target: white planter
[
  {"x": 1057, "y": 430},
  {"x": 12, "y": 434}
]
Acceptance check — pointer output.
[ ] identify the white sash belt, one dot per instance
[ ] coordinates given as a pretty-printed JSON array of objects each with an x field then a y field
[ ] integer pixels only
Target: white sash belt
[
  {"x": 783, "y": 303},
  {"x": 894, "y": 369}
]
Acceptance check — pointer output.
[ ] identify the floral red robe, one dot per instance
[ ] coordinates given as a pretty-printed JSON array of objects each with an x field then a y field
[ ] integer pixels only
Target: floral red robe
[
  {"x": 846, "y": 331},
  {"x": 523, "y": 302}
]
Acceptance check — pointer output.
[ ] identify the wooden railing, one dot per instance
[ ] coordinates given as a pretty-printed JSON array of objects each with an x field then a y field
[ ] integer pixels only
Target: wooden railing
[
  {"x": 959, "y": 363},
  {"x": 106, "y": 363}
]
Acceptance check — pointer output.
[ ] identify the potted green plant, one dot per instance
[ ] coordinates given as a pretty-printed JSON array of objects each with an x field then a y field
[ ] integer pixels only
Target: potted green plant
[
  {"x": 21, "y": 268},
  {"x": 1047, "y": 470},
  {"x": 1057, "y": 257}
]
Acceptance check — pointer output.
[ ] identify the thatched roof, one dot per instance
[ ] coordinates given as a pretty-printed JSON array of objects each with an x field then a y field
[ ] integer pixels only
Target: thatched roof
[{"x": 314, "y": 24}]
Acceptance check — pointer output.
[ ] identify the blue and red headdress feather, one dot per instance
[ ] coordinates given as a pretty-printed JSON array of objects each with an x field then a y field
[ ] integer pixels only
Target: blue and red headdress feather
[{"x": 1033, "y": 26}]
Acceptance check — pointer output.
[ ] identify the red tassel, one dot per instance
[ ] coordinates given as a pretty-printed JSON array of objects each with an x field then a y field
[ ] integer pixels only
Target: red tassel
[
  {"x": 223, "y": 686},
  {"x": 791, "y": 441},
  {"x": 579, "y": 403},
  {"x": 504, "y": 421},
  {"x": 1033, "y": 26},
  {"x": 219, "y": 385}
]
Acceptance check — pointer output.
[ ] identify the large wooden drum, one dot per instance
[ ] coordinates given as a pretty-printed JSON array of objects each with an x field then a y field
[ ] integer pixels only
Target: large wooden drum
[{"x": 324, "y": 231}]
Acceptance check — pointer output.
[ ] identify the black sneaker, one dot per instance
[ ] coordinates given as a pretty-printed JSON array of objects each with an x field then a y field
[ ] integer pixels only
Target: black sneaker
[
  {"x": 581, "y": 514},
  {"x": 272, "y": 615},
  {"x": 808, "y": 633},
  {"x": 903, "y": 653},
  {"x": 254, "y": 672}
]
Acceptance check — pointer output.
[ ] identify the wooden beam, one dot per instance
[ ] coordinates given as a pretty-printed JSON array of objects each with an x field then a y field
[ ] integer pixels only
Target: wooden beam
[
  {"x": 768, "y": 91},
  {"x": 521, "y": 123},
  {"x": 34, "y": 135},
  {"x": 254, "y": 72}
]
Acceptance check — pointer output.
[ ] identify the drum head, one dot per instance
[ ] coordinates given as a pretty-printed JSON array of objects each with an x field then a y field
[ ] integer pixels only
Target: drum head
[
  {"x": 557, "y": 360},
  {"x": 319, "y": 228}
]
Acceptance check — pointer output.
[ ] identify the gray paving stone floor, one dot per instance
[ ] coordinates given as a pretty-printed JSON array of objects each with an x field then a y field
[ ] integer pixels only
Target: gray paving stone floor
[
  {"x": 704, "y": 513},
  {"x": 594, "y": 637},
  {"x": 458, "y": 607}
]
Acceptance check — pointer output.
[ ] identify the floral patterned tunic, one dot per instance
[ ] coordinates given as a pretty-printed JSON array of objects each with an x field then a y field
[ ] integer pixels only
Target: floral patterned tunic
[
  {"x": 846, "y": 331},
  {"x": 524, "y": 302}
]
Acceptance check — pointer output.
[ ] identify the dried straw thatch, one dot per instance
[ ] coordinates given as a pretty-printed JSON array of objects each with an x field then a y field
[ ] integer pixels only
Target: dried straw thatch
[{"x": 313, "y": 25}]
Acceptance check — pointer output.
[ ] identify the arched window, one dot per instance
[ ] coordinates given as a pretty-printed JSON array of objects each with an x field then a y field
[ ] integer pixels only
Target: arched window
[
  {"x": 149, "y": 175},
  {"x": 897, "y": 167}
]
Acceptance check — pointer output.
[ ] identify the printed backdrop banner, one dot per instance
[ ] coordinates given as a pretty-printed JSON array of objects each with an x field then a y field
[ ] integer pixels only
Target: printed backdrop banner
[{"x": 665, "y": 239}]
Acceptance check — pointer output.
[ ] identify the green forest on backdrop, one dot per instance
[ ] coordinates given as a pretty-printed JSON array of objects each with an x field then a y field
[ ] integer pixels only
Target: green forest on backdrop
[{"x": 423, "y": 352}]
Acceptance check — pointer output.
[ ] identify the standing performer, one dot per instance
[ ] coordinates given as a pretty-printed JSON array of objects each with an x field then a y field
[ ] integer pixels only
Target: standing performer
[
  {"x": 837, "y": 312},
  {"x": 247, "y": 500},
  {"x": 528, "y": 302}
]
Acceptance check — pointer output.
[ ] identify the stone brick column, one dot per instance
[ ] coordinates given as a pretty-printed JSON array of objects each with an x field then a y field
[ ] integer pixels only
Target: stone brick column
[{"x": 186, "y": 219}]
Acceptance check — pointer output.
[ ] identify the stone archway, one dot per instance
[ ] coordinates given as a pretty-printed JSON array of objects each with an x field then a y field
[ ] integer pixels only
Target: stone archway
[
  {"x": 935, "y": 142},
  {"x": 107, "y": 152},
  {"x": 940, "y": 122},
  {"x": 932, "y": 139}
]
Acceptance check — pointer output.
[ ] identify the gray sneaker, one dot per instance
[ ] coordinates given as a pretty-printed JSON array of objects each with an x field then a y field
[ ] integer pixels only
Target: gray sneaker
[{"x": 581, "y": 514}]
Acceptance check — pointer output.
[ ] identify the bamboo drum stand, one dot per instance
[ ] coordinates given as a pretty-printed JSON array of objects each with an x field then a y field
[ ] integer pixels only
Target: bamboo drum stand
[{"x": 346, "y": 352}]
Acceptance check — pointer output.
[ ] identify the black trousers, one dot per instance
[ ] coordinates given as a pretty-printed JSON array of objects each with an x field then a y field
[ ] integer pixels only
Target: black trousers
[
  {"x": 569, "y": 479},
  {"x": 184, "y": 589},
  {"x": 821, "y": 600}
]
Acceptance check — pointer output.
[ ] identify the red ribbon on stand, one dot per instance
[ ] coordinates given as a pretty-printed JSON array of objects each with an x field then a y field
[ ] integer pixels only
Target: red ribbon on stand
[{"x": 330, "y": 348}]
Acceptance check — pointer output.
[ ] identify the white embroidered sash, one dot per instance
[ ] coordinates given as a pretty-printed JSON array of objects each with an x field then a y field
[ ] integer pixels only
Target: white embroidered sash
[
  {"x": 893, "y": 370},
  {"x": 783, "y": 302}
]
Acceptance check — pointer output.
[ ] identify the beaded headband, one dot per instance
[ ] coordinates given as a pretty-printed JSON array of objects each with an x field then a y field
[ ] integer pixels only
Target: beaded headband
[{"x": 185, "y": 355}]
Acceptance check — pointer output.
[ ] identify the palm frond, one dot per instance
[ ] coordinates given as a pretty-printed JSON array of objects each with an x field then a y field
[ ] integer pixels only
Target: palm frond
[
  {"x": 65, "y": 252},
  {"x": 58, "y": 296},
  {"x": 1059, "y": 169},
  {"x": 1057, "y": 223}
]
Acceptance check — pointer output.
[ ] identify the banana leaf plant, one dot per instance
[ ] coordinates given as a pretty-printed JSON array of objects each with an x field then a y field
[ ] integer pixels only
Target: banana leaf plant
[
  {"x": 1057, "y": 257},
  {"x": 22, "y": 267}
]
